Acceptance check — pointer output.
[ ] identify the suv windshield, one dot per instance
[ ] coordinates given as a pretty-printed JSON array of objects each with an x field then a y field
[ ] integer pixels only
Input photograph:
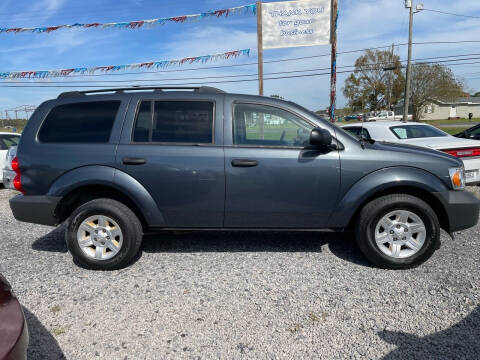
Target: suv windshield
[{"x": 416, "y": 131}]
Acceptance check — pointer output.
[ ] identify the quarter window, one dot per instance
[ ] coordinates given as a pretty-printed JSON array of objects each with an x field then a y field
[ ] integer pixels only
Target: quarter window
[
  {"x": 268, "y": 126},
  {"x": 188, "y": 122},
  {"x": 84, "y": 122}
]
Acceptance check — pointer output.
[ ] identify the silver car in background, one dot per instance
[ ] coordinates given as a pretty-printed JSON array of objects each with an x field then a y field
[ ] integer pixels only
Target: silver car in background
[{"x": 7, "y": 171}]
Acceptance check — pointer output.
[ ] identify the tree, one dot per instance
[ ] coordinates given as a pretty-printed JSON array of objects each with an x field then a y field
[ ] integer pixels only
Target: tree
[
  {"x": 372, "y": 87},
  {"x": 477, "y": 94},
  {"x": 432, "y": 81}
]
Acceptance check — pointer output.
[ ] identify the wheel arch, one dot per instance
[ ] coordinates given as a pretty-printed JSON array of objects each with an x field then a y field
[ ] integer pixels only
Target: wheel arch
[
  {"x": 406, "y": 180},
  {"x": 422, "y": 194},
  {"x": 91, "y": 182}
]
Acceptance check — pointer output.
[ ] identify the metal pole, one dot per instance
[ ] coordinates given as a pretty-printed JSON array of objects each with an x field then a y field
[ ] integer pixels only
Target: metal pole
[
  {"x": 260, "y": 47},
  {"x": 409, "y": 67},
  {"x": 390, "y": 80},
  {"x": 333, "y": 74}
]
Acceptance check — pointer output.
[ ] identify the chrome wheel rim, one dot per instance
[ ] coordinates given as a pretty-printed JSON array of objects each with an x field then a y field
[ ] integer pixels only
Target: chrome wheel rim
[
  {"x": 100, "y": 237},
  {"x": 400, "y": 234}
]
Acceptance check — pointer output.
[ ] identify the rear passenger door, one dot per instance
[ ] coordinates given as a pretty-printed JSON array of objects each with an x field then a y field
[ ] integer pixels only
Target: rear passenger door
[{"x": 172, "y": 144}]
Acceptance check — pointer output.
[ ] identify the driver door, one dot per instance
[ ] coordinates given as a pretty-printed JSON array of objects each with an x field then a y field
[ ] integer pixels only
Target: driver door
[{"x": 272, "y": 180}]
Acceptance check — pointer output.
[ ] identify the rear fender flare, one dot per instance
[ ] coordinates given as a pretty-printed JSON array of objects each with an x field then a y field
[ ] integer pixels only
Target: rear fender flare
[{"x": 114, "y": 178}]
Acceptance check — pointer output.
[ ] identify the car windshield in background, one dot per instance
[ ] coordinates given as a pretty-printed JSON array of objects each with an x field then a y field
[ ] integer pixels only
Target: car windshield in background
[
  {"x": 7, "y": 141},
  {"x": 416, "y": 131}
]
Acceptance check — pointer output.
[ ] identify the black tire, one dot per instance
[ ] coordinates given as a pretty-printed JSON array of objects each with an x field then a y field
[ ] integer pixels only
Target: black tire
[
  {"x": 371, "y": 214},
  {"x": 127, "y": 221}
]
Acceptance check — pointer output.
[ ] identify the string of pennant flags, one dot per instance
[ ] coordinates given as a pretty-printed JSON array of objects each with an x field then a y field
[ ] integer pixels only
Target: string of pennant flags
[
  {"x": 111, "y": 68},
  {"x": 246, "y": 9}
]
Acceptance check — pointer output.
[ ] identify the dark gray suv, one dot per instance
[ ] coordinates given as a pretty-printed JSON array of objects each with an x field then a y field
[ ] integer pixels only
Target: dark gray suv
[{"x": 113, "y": 164}]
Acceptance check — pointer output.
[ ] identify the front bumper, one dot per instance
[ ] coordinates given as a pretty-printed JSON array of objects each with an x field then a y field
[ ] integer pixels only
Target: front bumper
[
  {"x": 462, "y": 209},
  {"x": 35, "y": 209}
]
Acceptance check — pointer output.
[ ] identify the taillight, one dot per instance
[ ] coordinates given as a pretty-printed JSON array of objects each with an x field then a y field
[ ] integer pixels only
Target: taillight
[
  {"x": 460, "y": 153},
  {"x": 17, "y": 181},
  {"x": 15, "y": 165}
]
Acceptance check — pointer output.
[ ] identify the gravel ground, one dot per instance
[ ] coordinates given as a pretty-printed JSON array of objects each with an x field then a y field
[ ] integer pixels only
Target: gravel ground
[{"x": 243, "y": 295}]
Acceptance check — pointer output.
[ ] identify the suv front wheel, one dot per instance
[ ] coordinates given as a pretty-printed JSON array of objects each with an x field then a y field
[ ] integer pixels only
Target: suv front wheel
[
  {"x": 397, "y": 231},
  {"x": 103, "y": 234}
]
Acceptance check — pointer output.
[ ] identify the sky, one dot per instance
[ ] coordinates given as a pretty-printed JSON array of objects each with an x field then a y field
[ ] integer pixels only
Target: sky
[{"x": 361, "y": 24}]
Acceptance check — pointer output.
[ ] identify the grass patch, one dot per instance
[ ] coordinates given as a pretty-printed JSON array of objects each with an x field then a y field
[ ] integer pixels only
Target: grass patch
[
  {"x": 452, "y": 130},
  {"x": 58, "y": 331},
  {"x": 295, "y": 328},
  {"x": 61, "y": 331},
  {"x": 474, "y": 121},
  {"x": 55, "y": 309},
  {"x": 19, "y": 130}
]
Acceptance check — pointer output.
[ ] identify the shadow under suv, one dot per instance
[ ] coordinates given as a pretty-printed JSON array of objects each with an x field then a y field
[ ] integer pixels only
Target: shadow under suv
[{"x": 113, "y": 164}]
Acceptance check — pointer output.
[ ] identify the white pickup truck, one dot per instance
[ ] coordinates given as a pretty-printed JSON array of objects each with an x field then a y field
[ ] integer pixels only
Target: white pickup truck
[{"x": 387, "y": 115}]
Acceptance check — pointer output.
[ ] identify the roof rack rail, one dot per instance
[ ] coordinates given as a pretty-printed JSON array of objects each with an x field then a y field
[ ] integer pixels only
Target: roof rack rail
[{"x": 198, "y": 89}]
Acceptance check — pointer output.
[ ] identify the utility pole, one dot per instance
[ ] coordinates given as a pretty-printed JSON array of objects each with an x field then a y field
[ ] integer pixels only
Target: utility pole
[
  {"x": 333, "y": 73},
  {"x": 260, "y": 47},
  {"x": 390, "y": 80},
  {"x": 408, "y": 3}
]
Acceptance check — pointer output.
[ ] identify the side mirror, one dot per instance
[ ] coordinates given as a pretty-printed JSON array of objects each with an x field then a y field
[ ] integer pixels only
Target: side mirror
[{"x": 320, "y": 137}]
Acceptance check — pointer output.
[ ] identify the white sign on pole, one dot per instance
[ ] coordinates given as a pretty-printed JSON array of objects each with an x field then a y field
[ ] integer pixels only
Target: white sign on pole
[{"x": 296, "y": 23}]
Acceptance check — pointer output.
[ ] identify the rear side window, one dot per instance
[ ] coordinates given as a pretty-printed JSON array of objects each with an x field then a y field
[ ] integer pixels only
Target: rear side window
[
  {"x": 181, "y": 122},
  {"x": 416, "y": 131},
  {"x": 85, "y": 122}
]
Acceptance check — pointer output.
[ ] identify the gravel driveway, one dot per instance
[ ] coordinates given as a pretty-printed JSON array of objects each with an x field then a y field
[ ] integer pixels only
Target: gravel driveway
[{"x": 227, "y": 295}]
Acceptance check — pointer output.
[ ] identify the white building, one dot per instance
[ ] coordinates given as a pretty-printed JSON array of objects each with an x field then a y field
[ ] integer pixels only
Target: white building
[{"x": 439, "y": 110}]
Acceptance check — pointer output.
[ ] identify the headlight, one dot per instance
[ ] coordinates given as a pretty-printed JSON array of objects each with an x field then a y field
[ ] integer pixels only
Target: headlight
[{"x": 457, "y": 177}]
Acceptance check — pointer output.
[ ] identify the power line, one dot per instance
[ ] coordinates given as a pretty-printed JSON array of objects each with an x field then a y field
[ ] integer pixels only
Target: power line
[
  {"x": 176, "y": 84},
  {"x": 268, "y": 61},
  {"x": 419, "y": 60},
  {"x": 453, "y": 14},
  {"x": 188, "y": 83}
]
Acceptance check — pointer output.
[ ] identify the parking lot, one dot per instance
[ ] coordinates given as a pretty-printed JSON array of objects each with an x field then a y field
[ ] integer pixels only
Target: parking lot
[{"x": 235, "y": 295}]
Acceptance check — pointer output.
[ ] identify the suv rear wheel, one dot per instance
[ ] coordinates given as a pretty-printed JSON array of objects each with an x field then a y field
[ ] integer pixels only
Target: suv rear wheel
[
  {"x": 103, "y": 234},
  {"x": 397, "y": 231}
]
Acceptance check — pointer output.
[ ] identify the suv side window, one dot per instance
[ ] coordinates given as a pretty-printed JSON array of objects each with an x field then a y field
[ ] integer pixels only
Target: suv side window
[
  {"x": 181, "y": 122},
  {"x": 264, "y": 125},
  {"x": 83, "y": 122}
]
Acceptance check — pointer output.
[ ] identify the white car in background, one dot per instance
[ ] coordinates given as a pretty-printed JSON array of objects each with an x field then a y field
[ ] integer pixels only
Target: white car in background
[
  {"x": 387, "y": 115},
  {"x": 425, "y": 135},
  {"x": 7, "y": 140}
]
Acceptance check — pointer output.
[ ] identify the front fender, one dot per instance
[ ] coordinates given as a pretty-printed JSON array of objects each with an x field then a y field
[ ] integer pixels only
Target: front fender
[
  {"x": 114, "y": 178},
  {"x": 381, "y": 180}
]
